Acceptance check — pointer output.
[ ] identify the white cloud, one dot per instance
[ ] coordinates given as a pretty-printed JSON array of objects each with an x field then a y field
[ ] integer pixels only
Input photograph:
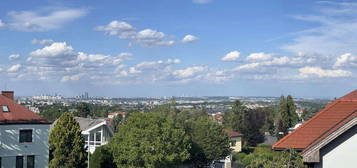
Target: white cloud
[
  {"x": 2, "y": 24},
  {"x": 146, "y": 37},
  {"x": 14, "y": 56},
  {"x": 247, "y": 66},
  {"x": 43, "y": 20},
  {"x": 231, "y": 56},
  {"x": 71, "y": 78},
  {"x": 334, "y": 33},
  {"x": 259, "y": 56},
  {"x": 310, "y": 72},
  {"x": 42, "y": 42},
  {"x": 14, "y": 68},
  {"x": 345, "y": 60},
  {"x": 189, "y": 38},
  {"x": 202, "y": 1},
  {"x": 54, "y": 50},
  {"x": 149, "y": 37},
  {"x": 189, "y": 71},
  {"x": 115, "y": 27}
]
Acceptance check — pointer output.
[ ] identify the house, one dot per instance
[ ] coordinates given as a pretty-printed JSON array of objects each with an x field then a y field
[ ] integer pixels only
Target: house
[
  {"x": 235, "y": 140},
  {"x": 23, "y": 135},
  {"x": 116, "y": 113},
  {"x": 329, "y": 139},
  {"x": 96, "y": 132}
]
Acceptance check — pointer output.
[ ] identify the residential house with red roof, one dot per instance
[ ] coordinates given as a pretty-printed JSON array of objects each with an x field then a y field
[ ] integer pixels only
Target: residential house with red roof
[
  {"x": 329, "y": 139},
  {"x": 236, "y": 143},
  {"x": 23, "y": 135}
]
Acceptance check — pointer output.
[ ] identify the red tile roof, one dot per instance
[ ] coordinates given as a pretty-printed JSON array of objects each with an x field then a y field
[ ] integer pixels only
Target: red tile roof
[
  {"x": 234, "y": 134},
  {"x": 18, "y": 114},
  {"x": 333, "y": 116}
]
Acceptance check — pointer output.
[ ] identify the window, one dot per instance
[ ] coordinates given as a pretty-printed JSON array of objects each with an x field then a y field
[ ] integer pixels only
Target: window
[
  {"x": 31, "y": 161},
  {"x": 19, "y": 161},
  {"x": 233, "y": 143},
  {"x": 25, "y": 136},
  {"x": 5, "y": 108},
  {"x": 0, "y": 162}
]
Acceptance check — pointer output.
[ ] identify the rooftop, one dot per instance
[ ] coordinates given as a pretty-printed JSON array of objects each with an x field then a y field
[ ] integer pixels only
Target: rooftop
[
  {"x": 332, "y": 117},
  {"x": 13, "y": 113}
]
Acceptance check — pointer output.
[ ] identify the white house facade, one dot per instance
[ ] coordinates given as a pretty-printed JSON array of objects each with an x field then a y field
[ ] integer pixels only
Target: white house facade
[
  {"x": 23, "y": 136},
  {"x": 96, "y": 132}
]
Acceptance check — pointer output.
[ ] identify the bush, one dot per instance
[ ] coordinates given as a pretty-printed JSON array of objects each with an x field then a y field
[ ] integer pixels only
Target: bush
[{"x": 101, "y": 158}]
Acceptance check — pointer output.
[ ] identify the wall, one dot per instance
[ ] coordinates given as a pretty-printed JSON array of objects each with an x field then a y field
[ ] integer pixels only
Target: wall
[
  {"x": 10, "y": 146},
  {"x": 342, "y": 151},
  {"x": 238, "y": 146}
]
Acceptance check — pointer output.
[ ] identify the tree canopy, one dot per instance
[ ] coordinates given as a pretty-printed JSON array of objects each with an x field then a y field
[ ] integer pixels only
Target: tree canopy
[
  {"x": 102, "y": 158},
  {"x": 209, "y": 141},
  {"x": 67, "y": 144},
  {"x": 150, "y": 140}
]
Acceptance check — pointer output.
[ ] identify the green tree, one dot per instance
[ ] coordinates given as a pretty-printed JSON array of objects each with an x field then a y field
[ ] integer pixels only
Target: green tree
[
  {"x": 234, "y": 119},
  {"x": 102, "y": 158},
  {"x": 287, "y": 117},
  {"x": 209, "y": 141},
  {"x": 150, "y": 140},
  {"x": 117, "y": 120},
  {"x": 67, "y": 144},
  {"x": 82, "y": 110},
  {"x": 253, "y": 130}
]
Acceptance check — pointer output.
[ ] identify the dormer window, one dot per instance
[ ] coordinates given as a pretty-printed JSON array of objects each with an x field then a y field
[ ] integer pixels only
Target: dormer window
[{"x": 5, "y": 109}]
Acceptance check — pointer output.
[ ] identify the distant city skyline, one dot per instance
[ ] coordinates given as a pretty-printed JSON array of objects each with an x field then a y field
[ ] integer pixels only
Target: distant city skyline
[{"x": 159, "y": 48}]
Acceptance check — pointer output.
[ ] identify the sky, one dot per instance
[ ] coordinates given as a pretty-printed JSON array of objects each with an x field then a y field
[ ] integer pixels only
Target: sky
[{"x": 135, "y": 48}]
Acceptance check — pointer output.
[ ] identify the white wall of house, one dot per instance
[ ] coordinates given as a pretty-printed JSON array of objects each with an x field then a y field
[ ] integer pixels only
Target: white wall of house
[
  {"x": 10, "y": 147},
  {"x": 342, "y": 152},
  {"x": 102, "y": 138}
]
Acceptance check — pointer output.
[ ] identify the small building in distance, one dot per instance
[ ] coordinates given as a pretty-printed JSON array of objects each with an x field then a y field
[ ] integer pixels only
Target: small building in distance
[
  {"x": 329, "y": 139},
  {"x": 24, "y": 135},
  {"x": 116, "y": 113},
  {"x": 235, "y": 140}
]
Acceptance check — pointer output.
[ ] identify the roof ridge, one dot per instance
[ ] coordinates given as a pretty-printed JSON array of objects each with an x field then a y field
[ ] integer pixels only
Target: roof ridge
[{"x": 327, "y": 107}]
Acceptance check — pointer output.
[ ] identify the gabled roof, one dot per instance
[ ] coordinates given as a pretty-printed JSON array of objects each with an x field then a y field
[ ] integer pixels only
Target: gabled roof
[
  {"x": 232, "y": 134},
  {"x": 18, "y": 114},
  {"x": 88, "y": 124},
  {"x": 332, "y": 117}
]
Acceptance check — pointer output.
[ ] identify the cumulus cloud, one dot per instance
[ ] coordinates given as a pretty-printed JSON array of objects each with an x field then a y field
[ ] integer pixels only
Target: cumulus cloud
[
  {"x": 310, "y": 72},
  {"x": 189, "y": 38},
  {"x": 146, "y": 37},
  {"x": 2, "y": 24},
  {"x": 346, "y": 59},
  {"x": 258, "y": 56},
  {"x": 14, "y": 57},
  {"x": 231, "y": 56},
  {"x": 202, "y": 1},
  {"x": 43, "y": 20},
  {"x": 42, "y": 42},
  {"x": 189, "y": 71},
  {"x": 14, "y": 68}
]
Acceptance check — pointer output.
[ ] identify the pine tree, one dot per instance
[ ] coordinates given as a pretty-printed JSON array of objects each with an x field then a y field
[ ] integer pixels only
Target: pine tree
[
  {"x": 293, "y": 117},
  {"x": 67, "y": 144}
]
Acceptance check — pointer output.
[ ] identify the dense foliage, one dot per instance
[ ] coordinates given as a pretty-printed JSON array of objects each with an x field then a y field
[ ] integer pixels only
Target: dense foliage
[
  {"x": 67, "y": 144},
  {"x": 250, "y": 122},
  {"x": 209, "y": 141},
  {"x": 264, "y": 157},
  {"x": 150, "y": 140},
  {"x": 102, "y": 158}
]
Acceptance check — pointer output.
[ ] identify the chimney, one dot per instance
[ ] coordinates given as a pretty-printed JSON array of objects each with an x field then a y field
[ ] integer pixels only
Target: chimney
[{"x": 8, "y": 94}]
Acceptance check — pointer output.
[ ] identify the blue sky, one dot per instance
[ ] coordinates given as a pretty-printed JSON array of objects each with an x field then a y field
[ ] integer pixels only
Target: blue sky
[{"x": 179, "y": 47}]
